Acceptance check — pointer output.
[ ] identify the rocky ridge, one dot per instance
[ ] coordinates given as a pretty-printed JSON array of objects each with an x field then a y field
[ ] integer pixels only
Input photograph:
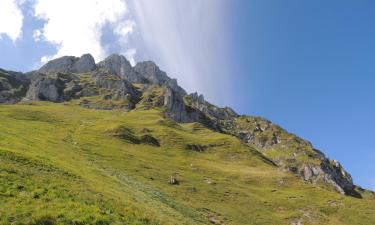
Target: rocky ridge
[
  {"x": 69, "y": 64},
  {"x": 13, "y": 86},
  {"x": 114, "y": 83}
]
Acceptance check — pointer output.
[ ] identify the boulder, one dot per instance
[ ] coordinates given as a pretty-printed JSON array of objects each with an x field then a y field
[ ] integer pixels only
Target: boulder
[{"x": 173, "y": 181}]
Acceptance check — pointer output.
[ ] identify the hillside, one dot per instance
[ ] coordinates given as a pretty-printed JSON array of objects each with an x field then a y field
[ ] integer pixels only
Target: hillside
[{"x": 108, "y": 143}]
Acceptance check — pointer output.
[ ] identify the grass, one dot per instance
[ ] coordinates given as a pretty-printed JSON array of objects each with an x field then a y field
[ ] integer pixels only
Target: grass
[
  {"x": 99, "y": 102},
  {"x": 64, "y": 164},
  {"x": 287, "y": 147}
]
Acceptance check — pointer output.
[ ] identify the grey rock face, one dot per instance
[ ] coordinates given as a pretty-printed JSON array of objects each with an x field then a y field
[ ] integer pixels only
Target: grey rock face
[
  {"x": 72, "y": 88},
  {"x": 13, "y": 86},
  {"x": 336, "y": 173},
  {"x": 119, "y": 65},
  {"x": 267, "y": 136},
  {"x": 46, "y": 88},
  {"x": 198, "y": 102},
  {"x": 199, "y": 110},
  {"x": 175, "y": 105},
  {"x": 63, "y": 64},
  {"x": 84, "y": 64},
  {"x": 330, "y": 172},
  {"x": 314, "y": 167},
  {"x": 119, "y": 88},
  {"x": 112, "y": 79},
  {"x": 69, "y": 64},
  {"x": 54, "y": 88},
  {"x": 152, "y": 73}
]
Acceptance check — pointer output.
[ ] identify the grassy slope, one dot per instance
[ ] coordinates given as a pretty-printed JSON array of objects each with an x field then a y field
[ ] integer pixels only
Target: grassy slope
[{"x": 59, "y": 163}]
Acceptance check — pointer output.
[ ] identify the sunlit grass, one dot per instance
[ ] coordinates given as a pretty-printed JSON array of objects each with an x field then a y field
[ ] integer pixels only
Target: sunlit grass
[{"x": 62, "y": 164}]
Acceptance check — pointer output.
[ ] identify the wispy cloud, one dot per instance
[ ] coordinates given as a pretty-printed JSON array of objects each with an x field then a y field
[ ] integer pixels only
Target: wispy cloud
[
  {"x": 130, "y": 55},
  {"x": 188, "y": 40},
  {"x": 11, "y": 19},
  {"x": 76, "y": 27}
]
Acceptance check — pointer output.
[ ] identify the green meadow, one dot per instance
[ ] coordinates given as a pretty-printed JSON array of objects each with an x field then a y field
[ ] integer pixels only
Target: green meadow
[{"x": 64, "y": 164}]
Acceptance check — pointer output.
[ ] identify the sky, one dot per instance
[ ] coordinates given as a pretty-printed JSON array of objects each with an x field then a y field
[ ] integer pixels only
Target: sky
[{"x": 305, "y": 65}]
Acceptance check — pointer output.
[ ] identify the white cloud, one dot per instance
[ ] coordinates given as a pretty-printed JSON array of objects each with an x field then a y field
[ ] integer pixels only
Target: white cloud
[
  {"x": 44, "y": 60},
  {"x": 124, "y": 29},
  {"x": 37, "y": 35},
  {"x": 76, "y": 27},
  {"x": 130, "y": 55},
  {"x": 186, "y": 38},
  {"x": 11, "y": 19}
]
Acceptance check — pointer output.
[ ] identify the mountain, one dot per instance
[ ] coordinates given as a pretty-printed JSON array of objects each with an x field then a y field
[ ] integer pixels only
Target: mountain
[{"x": 108, "y": 143}]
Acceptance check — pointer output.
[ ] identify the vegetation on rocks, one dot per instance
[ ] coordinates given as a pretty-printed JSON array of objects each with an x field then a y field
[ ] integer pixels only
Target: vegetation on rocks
[
  {"x": 64, "y": 164},
  {"x": 108, "y": 143}
]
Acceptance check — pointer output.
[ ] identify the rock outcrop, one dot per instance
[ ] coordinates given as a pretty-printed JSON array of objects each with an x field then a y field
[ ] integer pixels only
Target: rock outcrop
[
  {"x": 84, "y": 64},
  {"x": 152, "y": 73},
  {"x": 115, "y": 82},
  {"x": 175, "y": 106},
  {"x": 69, "y": 64},
  {"x": 286, "y": 150},
  {"x": 120, "y": 66},
  {"x": 55, "y": 88},
  {"x": 13, "y": 86},
  {"x": 198, "y": 102},
  {"x": 116, "y": 88},
  {"x": 330, "y": 172},
  {"x": 291, "y": 153}
]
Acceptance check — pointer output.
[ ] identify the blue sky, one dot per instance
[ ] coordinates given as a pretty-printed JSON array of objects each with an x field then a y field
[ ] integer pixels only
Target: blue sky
[
  {"x": 309, "y": 66},
  {"x": 306, "y": 65}
]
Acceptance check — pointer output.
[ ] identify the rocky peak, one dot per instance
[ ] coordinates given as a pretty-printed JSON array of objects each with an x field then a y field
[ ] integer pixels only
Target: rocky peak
[
  {"x": 197, "y": 98},
  {"x": 85, "y": 63},
  {"x": 70, "y": 77},
  {"x": 152, "y": 73},
  {"x": 119, "y": 65},
  {"x": 69, "y": 64}
]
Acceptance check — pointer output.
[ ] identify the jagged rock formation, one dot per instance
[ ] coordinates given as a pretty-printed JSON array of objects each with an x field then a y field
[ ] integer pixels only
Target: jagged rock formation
[
  {"x": 114, "y": 83},
  {"x": 13, "y": 86},
  {"x": 175, "y": 105},
  {"x": 113, "y": 87},
  {"x": 151, "y": 72},
  {"x": 69, "y": 64},
  {"x": 286, "y": 150},
  {"x": 291, "y": 152},
  {"x": 53, "y": 87},
  {"x": 120, "y": 66}
]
